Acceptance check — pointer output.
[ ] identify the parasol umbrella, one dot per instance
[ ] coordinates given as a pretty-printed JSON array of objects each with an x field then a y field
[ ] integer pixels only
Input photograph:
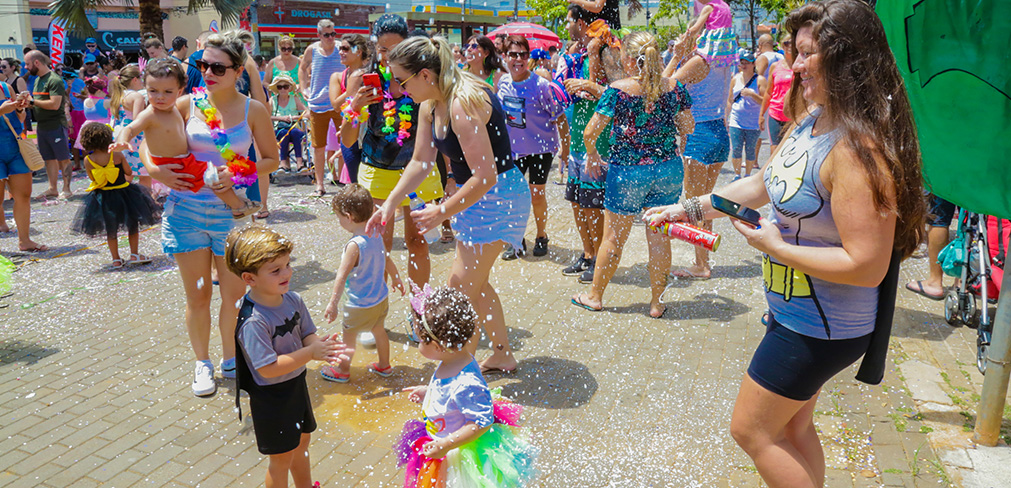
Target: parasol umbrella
[{"x": 538, "y": 36}]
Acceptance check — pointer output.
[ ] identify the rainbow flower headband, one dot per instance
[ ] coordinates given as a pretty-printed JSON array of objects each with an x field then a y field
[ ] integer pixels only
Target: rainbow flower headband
[{"x": 243, "y": 170}]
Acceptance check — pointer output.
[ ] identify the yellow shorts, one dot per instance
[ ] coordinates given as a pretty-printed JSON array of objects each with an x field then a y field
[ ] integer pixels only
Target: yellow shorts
[{"x": 380, "y": 182}]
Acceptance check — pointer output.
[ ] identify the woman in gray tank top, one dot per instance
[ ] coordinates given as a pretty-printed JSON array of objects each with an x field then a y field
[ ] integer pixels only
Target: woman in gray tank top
[{"x": 844, "y": 188}]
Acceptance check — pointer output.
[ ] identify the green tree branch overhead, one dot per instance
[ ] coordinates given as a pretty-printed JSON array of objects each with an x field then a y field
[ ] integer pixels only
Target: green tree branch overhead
[{"x": 74, "y": 13}]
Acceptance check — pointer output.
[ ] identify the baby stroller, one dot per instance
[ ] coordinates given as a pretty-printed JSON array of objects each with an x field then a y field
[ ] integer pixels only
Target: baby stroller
[{"x": 968, "y": 257}]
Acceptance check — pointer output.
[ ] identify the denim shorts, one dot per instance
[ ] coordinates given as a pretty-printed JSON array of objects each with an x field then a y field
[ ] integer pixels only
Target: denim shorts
[
  {"x": 941, "y": 212},
  {"x": 709, "y": 144},
  {"x": 744, "y": 141},
  {"x": 631, "y": 188},
  {"x": 189, "y": 224},
  {"x": 54, "y": 144},
  {"x": 776, "y": 129},
  {"x": 581, "y": 188},
  {"x": 500, "y": 215},
  {"x": 11, "y": 161}
]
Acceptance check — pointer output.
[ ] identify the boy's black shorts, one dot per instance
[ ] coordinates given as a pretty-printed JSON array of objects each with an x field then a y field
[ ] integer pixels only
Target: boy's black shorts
[{"x": 281, "y": 414}]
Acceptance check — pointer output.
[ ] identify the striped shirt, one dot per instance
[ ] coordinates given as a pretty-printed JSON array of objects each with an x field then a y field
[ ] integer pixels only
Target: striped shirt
[{"x": 319, "y": 78}]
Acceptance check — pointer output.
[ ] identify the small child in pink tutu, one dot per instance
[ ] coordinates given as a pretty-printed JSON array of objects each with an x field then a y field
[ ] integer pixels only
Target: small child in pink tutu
[{"x": 469, "y": 438}]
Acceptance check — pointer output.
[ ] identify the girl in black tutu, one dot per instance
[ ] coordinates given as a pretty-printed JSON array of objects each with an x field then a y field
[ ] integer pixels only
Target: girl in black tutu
[{"x": 112, "y": 202}]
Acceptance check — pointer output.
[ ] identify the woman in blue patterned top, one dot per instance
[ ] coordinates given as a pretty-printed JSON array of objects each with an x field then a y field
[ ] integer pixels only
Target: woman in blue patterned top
[{"x": 648, "y": 112}]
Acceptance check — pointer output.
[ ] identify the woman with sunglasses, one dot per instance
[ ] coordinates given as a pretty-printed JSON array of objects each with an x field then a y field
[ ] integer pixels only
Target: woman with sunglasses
[
  {"x": 285, "y": 111},
  {"x": 491, "y": 204},
  {"x": 354, "y": 52},
  {"x": 535, "y": 118},
  {"x": 483, "y": 60},
  {"x": 286, "y": 63},
  {"x": 385, "y": 148},
  {"x": 195, "y": 224}
]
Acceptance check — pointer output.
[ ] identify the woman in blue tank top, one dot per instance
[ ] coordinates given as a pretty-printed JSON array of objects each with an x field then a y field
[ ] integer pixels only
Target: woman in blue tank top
[
  {"x": 195, "y": 225},
  {"x": 491, "y": 204},
  {"x": 845, "y": 195}
]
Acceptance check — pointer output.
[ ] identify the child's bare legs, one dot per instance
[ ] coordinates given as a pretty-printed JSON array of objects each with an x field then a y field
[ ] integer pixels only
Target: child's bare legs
[
  {"x": 351, "y": 338},
  {"x": 113, "y": 241},
  {"x": 295, "y": 461},
  {"x": 382, "y": 346},
  {"x": 145, "y": 181},
  {"x": 134, "y": 239}
]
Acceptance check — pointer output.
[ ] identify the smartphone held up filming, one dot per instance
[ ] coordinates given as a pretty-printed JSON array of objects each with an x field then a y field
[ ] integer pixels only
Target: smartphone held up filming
[{"x": 735, "y": 210}]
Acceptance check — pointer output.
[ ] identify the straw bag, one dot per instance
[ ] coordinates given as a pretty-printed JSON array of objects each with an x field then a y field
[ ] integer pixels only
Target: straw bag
[{"x": 29, "y": 151}]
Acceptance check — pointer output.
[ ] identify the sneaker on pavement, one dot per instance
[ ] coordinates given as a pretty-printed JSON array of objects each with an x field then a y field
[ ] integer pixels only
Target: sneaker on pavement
[
  {"x": 366, "y": 339},
  {"x": 587, "y": 276},
  {"x": 508, "y": 254},
  {"x": 203, "y": 379},
  {"x": 228, "y": 368},
  {"x": 541, "y": 246},
  {"x": 577, "y": 268}
]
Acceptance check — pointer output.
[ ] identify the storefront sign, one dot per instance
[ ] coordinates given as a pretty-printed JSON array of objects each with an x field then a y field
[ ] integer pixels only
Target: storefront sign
[
  {"x": 107, "y": 41},
  {"x": 300, "y": 17}
]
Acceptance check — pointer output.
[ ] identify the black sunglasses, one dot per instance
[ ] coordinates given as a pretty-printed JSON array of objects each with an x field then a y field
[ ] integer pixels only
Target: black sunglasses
[
  {"x": 283, "y": 87},
  {"x": 518, "y": 54},
  {"x": 345, "y": 49},
  {"x": 218, "y": 69},
  {"x": 472, "y": 45},
  {"x": 329, "y": 35},
  {"x": 287, "y": 49}
]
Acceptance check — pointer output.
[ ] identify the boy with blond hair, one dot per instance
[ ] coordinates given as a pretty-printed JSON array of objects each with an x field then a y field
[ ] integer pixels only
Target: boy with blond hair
[{"x": 275, "y": 338}]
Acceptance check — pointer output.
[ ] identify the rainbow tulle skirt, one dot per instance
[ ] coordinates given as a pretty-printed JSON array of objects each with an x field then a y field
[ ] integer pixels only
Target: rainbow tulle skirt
[
  {"x": 718, "y": 46},
  {"x": 501, "y": 457}
]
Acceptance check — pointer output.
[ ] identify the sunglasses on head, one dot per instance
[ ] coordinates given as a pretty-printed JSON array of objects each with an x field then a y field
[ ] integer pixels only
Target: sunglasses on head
[
  {"x": 283, "y": 87},
  {"x": 518, "y": 54},
  {"x": 329, "y": 35},
  {"x": 218, "y": 69},
  {"x": 287, "y": 49}
]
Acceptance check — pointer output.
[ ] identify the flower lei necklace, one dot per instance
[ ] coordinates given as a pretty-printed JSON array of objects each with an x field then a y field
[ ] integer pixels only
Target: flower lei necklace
[
  {"x": 243, "y": 170},
  {"x": 401, "y": 108}
]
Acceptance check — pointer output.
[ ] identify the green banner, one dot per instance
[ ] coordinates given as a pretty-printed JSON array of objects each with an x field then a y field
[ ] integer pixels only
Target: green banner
[{"x": 955, "y": 56}]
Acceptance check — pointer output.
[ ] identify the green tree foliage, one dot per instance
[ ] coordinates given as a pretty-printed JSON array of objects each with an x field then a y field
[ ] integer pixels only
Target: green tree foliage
[{"x": 553, "y": 14}]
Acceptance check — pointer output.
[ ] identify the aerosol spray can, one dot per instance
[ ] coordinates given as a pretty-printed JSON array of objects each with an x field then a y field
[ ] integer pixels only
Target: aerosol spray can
[{"x": 689, "y": 233}]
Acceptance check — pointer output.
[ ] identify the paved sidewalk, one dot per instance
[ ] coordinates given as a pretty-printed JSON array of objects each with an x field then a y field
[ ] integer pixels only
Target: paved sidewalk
[{"x": 95, "y": 369}]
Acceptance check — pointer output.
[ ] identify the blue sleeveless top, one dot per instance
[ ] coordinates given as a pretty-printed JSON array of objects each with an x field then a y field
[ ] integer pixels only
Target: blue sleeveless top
[
  {"x": 319, "y": 83},
  {"x": 366, "y": 285},
  {"x": 802, "y": 210},
  {"x": 198, "y": 136},
  {"x": 98, "y": 113}
]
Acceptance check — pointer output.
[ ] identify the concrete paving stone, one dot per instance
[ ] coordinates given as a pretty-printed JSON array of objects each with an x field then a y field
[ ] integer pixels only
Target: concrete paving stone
[
  {"x": 169, "y": 471},
  {"x": 129, "y": 441},
  {"x": 208, "y": 465},
  {"x": 155, "y": 460},
  {"x": 127, "y": 423},
  {"x": 11, "y": 458},
  {"x": 116, "y": 465},
  {"x": 84, "y": 431}
]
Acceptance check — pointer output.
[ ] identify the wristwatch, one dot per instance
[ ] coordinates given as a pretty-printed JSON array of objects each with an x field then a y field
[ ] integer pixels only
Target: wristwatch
[{"x": 31, "y": 102}]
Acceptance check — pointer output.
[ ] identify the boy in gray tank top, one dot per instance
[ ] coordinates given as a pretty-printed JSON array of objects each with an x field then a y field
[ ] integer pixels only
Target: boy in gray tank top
[{"x": 362, "y": 274}]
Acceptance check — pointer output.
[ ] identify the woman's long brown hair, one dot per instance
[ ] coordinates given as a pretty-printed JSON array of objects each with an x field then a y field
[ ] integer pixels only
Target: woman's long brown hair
[{"x": 867, "y": 101}]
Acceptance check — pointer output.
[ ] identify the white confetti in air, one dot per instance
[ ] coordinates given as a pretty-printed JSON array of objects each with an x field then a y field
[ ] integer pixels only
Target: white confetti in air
[{"x": 238, "y": 303}]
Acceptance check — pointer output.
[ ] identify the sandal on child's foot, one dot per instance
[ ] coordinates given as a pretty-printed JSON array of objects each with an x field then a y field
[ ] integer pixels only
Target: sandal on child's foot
[
  {"x": 248, "y": 208},
  {"x": 331, "y": 373},
  {"x": 138, "y": 259},
  {"x": 117, "y": 263},
  {"x": 384, "y": 372}
]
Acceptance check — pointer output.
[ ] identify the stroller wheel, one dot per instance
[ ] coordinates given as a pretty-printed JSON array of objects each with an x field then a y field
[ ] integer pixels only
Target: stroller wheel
[
  {"x": 982, "y": 348},
  {"x": 951, "y": 308},
  {"x": 969, "y": 312}
]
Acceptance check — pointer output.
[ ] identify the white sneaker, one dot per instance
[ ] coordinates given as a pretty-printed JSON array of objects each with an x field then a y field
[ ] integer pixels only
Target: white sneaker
[
  {"x": 203, "y": 379},
  {"x": 366, "y": 339}
]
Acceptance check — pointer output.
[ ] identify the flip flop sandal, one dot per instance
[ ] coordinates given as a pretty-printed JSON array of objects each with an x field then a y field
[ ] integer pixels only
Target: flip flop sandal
[
  {"x": 118, "y": 263},
  {"x": 920, "y": 291},
  {"x": 385, "y": 373},
  {"x": 582, "y": 305},
  {"x": 136, "y": 259},
  {"x": 330, "y": 373}
]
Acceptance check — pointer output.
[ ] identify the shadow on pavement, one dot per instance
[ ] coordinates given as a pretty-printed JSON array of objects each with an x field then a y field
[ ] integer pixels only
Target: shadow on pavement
[
  {"x": 705, "y": 306},
  {"x": 547, "y": 382},
  {"x": 308, "y": 274},
  {"x": 29, "y": 353},
  {"x": 921, "y": 325},
  {"x": 282, "y": 215}
]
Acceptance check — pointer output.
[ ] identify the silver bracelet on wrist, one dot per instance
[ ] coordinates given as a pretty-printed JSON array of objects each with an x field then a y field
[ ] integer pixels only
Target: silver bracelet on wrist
[{"x": 693, "y": 210}]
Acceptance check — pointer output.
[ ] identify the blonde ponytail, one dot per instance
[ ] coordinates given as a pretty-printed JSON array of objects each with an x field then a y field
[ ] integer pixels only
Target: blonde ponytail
[
  {"x": 233, "y": 43},
  {"x": 119, "y": 85},
  {"x": 642, "y": 48},
  {"x": 435, "y": 55}
]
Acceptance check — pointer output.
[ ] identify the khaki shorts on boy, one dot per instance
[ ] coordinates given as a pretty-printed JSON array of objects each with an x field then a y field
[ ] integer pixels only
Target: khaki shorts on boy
[{"x": 365, "y": 319}]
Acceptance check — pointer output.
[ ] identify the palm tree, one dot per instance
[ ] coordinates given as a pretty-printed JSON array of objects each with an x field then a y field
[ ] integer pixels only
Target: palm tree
[{"x": 73, "y": 12}]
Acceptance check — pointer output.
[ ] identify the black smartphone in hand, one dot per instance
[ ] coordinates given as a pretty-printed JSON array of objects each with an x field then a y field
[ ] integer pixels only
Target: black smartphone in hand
[{"x": 735, "y": 210}]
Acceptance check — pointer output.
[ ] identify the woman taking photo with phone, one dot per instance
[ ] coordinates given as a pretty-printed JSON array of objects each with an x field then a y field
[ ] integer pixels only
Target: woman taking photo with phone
[
  {"x": 462, "y": 119},
  {"x": 831, "y": 233}
]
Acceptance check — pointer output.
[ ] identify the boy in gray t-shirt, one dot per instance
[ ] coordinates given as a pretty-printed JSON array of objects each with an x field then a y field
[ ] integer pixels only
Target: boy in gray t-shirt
[{"x": 275, "y": 338}]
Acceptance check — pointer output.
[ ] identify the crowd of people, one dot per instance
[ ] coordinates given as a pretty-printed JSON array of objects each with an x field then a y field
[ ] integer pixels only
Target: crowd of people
[{"x": 640, "y": 131}]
